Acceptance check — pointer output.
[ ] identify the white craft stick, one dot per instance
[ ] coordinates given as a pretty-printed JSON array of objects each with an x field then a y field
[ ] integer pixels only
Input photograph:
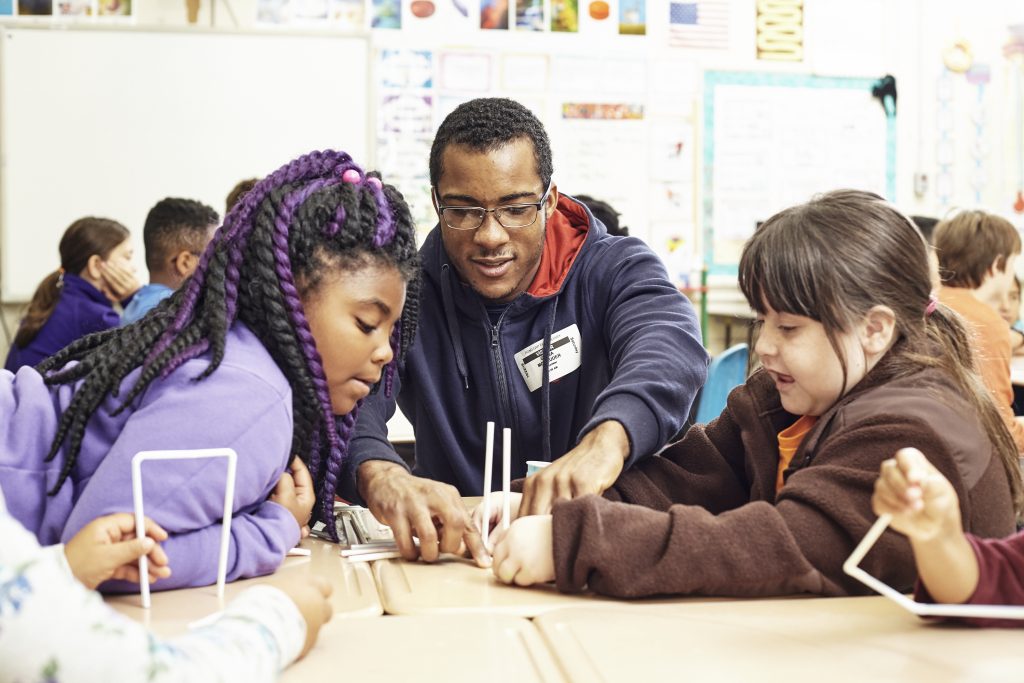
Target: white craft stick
[
  {"x": 488, "y": 473},
  {"x": 851, "y": 567},
  {"x": 140, "y": 516},
  {"x": 506, "y": 476}
]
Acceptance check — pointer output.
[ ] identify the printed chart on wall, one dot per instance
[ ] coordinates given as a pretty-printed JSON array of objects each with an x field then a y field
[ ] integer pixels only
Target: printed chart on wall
[{"x": 773, "y": 140}]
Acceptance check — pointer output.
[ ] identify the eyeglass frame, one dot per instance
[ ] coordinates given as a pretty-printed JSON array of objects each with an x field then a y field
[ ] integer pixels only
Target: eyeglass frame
[{"x": 483, "y": 219}]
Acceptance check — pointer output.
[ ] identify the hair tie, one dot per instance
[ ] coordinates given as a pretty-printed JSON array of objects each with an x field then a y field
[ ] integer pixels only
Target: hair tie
[
  {"x": 932, "y": 305},
  {"x": 60, "y": 277}
]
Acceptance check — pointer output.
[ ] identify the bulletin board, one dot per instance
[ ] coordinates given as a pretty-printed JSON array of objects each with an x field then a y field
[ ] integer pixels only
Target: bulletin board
[
  {"x": 106, "y": 122},
  {"x": 774, "y": 140}
]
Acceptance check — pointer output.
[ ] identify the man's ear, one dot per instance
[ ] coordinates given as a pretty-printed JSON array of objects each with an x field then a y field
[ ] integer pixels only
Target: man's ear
[
  {"x": 552, "y": 201},
  {"x": 878, "y": 329}
]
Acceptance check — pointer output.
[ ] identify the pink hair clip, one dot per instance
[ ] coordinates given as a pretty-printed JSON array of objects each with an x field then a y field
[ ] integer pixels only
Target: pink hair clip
[
  {"x": 375, "y": 182},
  {"x": 351, "y": 176}
]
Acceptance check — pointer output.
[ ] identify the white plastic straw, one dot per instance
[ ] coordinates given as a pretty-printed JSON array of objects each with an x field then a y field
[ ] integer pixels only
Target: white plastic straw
[
  {"x": 140, "y": 517},
  {"x": 922, "y": 609},
  {"x": 506, "y": 476},
  {"x": 488, "y": 473}
]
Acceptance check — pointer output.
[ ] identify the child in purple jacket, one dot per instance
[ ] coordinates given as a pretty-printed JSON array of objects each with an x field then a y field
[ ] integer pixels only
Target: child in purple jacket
[{"x": 295, "y": 314}]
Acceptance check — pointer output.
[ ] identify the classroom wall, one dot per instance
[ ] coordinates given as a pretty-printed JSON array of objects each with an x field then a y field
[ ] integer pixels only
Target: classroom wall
[{"x": 959, "y": 139}]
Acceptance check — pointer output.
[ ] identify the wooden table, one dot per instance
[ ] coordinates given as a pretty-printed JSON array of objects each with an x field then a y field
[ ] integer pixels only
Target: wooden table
[
  {"x": 354, "y": 595},
  {"x": 830, "y": 640}
]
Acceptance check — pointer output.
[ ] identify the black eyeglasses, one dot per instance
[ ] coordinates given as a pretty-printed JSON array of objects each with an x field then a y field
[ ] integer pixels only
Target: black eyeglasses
[{"x": 509, "y": 216}]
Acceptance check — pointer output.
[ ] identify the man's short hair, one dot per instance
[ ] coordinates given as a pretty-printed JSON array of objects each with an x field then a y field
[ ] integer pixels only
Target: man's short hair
[
  {"x": 489, "y": 123},
  {"x": 174, "y": 225},
  {"x": 970, "y": 242},
  {"x": 238, "y": 191}
]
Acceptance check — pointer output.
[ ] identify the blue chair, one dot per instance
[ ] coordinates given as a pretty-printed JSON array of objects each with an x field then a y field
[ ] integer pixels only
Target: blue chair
[{"x": 727, "y": 371}]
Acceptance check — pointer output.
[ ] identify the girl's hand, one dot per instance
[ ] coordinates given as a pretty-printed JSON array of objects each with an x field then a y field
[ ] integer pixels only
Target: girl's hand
[
  {"x": 524, "y": 554},
  {"x": 311, "y": 596},
  {"x": 119, "y": 283},
  {"x": 106, "y": 548},
  {"x": 294, "y": 491},
  {"x": 922, "y": 502},
  {"x": 493, "y": 525}
]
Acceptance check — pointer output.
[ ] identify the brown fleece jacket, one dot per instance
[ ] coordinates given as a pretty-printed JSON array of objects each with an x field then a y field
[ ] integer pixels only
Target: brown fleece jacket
[{"x": 703, "y": 517}]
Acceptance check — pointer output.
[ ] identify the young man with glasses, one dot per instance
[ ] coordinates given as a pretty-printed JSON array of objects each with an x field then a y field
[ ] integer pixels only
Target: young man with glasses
[
  {"x": 512, "y": 274},
  {"x": 175, "y": 235}
]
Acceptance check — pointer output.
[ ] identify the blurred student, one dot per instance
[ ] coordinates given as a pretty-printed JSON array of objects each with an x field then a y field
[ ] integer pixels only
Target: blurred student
[
  {"x": 926, "y": 224},
  {"x": 239, "y": 191},
  {"x": 175, "y": 234},
  {"x": 604, "y": 212},
  {"x": 953, "y": 566},
  {"x": 53, "y": 627},
  {"x": 977, "y": 252},
  {"x": 858, "y": 361},
  {"x": 289, "y": 321},
  {"x": 78, "y": 298}
]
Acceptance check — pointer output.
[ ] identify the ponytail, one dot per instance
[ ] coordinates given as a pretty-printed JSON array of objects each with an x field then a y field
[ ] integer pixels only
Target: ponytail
[
  {"x": 948, "y": 331},
  {"x": 40, "y": 308}
]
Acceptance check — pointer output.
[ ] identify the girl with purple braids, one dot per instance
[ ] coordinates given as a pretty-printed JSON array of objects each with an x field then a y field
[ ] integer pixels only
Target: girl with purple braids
[{"x": 301, "y": 306}]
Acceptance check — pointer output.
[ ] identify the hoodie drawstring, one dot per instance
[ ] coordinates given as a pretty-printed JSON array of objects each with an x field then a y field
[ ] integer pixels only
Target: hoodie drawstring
[
  {"x": 453, "y": 325},
  {"x": 545, "y": 395}
]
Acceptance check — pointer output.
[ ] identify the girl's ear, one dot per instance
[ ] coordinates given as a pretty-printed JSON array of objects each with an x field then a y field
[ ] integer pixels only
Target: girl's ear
[
  {"x": 92, "y": 271},
  {"x": 878, "y": 330}
]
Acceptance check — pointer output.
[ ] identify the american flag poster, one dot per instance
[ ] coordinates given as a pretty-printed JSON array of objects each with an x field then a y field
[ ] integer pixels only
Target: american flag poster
[{"x": 700, "y": 25}]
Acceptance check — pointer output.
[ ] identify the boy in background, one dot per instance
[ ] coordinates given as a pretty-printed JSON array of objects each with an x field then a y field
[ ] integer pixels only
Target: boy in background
[
  {"x": 977, "y": 251},
  {"x": 175, "y": 234}
]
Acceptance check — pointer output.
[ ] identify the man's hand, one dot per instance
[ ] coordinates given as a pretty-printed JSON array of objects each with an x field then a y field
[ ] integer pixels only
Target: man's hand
[
  {"x": 295, "y": 492},
  {"x": 413, "y": 506},
  {"x": 591, "y": 467},
  {"x": 106, "y": 548}
]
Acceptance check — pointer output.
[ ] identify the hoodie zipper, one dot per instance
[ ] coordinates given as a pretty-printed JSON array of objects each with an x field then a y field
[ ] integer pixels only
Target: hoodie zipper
[{"x": 499, "y": 363}]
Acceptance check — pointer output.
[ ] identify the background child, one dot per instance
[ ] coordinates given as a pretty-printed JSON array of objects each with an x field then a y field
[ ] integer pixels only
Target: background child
[
  {"x": 770, "y": 497},
  {"x": 953, "y": 566},
  {"x": 977, "y": 252},
  {"x": 76, "y": 299},
  {"x": 53, "y": 628},
  {"x": 175, "y": 235},
  {"x": 289, "y": 320},
  {"x": 238, "y": 191}
]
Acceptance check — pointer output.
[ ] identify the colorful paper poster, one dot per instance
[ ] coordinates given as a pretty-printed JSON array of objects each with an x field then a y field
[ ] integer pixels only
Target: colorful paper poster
[
  {"x": 386, "y": 14},
  {"x": 672, "y": 151},
  {"x": 292, "y": 12},
  {"x": 530, "y": 15},
  {"x": 633, "y": 17},
  {"x": 597, "y": 17},
  {"x": 494, "y": 14},
  {"x": 600, "y": 110},
  {"x": 74, "y": 8},
  {"x": 6, "y": 8},
  {"x": 347, "y": 14},
  {"x": 565, "y": 16},
  {"x": 113, "y": 8},
  {"x": 35, "y": 8},
  {"x": 406, "y": 69},
  {"x": 436, "y": 17}
]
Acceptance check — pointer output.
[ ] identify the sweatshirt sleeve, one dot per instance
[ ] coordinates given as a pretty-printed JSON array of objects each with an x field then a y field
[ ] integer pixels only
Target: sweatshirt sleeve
[
  {"x": 233, "y": 408},
  {"x": 370, "y": 441},
  {"x": 1000, "y": 578},
  {"x": 755, "y": 549},
  {"x": 53, "y": 628},
  {"x": 654, "y": 344}
]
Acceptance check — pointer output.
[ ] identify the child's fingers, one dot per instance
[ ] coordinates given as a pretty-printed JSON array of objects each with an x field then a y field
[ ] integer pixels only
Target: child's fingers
[
  {"x": 300, "y": 474},
  {"x": 913, "y": 465},
  {"x": 154, "y": 530}
]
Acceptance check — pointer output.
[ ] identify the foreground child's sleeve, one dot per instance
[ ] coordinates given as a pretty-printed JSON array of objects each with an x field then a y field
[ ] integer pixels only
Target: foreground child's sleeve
[
  {"x": 1000, "y": 577},
  {"x": 53, "y": 628}
]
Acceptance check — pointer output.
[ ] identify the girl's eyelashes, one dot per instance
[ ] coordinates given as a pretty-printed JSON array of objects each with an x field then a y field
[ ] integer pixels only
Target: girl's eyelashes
[{"x": 364, "y": 327}]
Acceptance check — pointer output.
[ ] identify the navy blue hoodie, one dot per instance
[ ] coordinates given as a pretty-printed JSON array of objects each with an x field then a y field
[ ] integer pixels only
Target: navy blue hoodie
[{"x": 639, "y": 349}]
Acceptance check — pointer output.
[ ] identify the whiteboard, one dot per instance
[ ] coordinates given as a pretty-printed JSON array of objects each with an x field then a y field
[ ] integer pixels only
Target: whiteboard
[
  {"x": 108, "y": 122},
  {"x": 775, "y": 140}
]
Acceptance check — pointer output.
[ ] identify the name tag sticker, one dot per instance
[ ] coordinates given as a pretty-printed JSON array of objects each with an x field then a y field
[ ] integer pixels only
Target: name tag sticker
[{"x": 565, "y": 357}]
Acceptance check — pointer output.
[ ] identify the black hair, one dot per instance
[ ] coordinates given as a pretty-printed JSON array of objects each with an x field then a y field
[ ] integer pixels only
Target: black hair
[
  {"x": 604, "y": 212},
  {"x": 489, "y": 123},
  {"x": 175, "y": 224}
]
